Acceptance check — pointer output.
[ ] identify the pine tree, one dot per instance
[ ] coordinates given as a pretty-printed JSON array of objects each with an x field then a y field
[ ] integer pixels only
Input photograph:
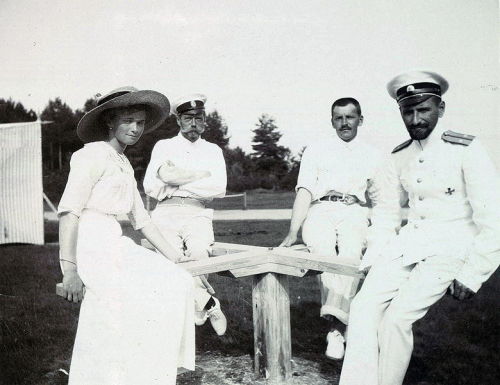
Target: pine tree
[
  {"x": 59, "y": 137},
  {"x": 12, "y": 112},
  {"x": 270, "y": 158},
  {"x": 216, "y": 130}
]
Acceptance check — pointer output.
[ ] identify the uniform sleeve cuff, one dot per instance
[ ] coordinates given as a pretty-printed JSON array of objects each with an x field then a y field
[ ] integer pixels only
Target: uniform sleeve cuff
[{"x": 313, "y": 198}]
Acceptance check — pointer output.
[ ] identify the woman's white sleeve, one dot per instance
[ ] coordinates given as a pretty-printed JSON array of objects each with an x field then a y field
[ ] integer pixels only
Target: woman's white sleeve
[
  {"x": 86, "y": 169},
  {"x": 138, "y": 216}
]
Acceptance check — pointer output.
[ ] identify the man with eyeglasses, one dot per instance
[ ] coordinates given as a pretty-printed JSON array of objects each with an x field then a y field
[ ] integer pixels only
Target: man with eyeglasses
[{"x": 184, "y": 174}]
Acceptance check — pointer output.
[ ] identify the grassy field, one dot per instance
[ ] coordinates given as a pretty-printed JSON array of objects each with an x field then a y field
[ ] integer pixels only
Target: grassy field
[
  {"x": 256, "y": 199},
  {"x": 457, "y": 343}
]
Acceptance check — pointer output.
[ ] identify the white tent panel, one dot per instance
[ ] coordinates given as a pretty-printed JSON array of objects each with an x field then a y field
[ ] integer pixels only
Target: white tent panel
[{"x": 21, "y": 189}]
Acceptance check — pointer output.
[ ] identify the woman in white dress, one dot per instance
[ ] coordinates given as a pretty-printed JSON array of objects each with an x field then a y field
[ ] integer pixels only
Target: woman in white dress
[{"x": 136, "y": 323}]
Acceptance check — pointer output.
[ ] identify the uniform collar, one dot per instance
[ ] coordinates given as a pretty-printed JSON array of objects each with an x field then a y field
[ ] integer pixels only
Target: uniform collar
[
  {"x": 186, "y": 142},
  {"x": 432, "y": 139}
]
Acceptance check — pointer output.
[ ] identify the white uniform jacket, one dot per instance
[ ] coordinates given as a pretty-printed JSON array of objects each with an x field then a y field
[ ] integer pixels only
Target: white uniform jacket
[
  {"x": 453, "y": 193},
  {"x": 200, "y": 155}
]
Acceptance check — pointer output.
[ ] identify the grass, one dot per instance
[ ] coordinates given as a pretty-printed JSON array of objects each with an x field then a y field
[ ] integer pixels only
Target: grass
[
  {"x": 256, "y": 199},
  {"x": 456, "y": 343}
]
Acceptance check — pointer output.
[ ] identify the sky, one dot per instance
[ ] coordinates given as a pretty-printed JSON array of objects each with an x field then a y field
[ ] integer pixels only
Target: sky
[{"x": 288, "y": 59}]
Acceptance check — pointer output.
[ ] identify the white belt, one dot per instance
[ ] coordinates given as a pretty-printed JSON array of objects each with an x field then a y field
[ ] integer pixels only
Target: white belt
[{"x": 181, "y": 201}]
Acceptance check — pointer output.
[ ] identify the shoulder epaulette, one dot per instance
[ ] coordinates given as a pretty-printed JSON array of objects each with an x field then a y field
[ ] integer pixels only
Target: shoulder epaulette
[
  {"x": 402, "y": 145},
  {"x": 457, "y": 138}
]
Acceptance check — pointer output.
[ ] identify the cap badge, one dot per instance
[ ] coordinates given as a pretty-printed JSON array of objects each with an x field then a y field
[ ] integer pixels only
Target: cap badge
[
  {"x": 410, "y": 88},
  {"x": 193, "y": 103}
]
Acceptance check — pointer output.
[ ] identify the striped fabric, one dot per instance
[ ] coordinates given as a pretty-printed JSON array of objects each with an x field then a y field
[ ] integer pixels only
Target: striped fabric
[{"x": 21, "y": 189}]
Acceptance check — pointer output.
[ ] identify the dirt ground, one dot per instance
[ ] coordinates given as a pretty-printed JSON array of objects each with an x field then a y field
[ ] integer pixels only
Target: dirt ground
[{"x": 216, "y": 369}]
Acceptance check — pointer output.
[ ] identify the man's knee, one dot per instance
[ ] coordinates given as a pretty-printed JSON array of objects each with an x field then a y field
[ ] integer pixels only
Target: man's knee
[
  {"x": 363, "y": 305},
  {"x": 396, "y": 318}
]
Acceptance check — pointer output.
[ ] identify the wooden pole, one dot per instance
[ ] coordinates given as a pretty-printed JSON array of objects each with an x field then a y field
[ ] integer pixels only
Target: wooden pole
[
  {"x": 244, "y": 200},
  {"x": 271, "y": 324}
]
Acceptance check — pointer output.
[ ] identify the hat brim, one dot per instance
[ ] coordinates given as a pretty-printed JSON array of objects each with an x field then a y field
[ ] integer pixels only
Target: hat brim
[
  {"x": 416, "y": 99},
  {"x": 90, "y": 128}
]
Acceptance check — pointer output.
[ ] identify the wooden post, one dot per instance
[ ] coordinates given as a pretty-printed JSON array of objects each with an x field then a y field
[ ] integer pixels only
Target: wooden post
[
  {"x": 271, "y": 325},
  {"x": 244, "y": 200}
]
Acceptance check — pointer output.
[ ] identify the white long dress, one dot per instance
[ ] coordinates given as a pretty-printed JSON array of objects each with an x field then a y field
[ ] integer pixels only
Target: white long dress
[{"x": 136, "y": 322}]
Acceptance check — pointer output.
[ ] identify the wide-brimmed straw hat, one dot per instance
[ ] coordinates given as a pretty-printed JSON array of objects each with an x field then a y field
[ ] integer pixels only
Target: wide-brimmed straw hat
[{"x": 90, "y": 128}]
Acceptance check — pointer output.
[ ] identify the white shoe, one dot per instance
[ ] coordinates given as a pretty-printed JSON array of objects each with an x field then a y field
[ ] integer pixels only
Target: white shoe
[
  {"x": 335, "y": 348},
  {"x": 217, "y": 318}
]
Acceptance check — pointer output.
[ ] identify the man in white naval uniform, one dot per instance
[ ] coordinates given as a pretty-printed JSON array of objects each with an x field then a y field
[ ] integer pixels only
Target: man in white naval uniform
[
  {"x": 335, "y": 174},
  {"x": 185, "y": 173},
  {"x": 451, "y": 240}
]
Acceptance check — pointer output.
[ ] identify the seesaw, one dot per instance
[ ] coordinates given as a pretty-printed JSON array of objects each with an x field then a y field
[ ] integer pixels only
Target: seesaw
[{"x": 270, "y": 268}]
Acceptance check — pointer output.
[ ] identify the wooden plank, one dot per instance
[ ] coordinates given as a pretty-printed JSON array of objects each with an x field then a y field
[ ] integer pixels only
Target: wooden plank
[
  {"x": 320, "y": 266},
  {"x": 287, "y": 270},
  {"x": 218, "y": 248},
  {"x": 226, "y": 262},
  {"x": 237, "y": 246},
  {"x": 271, "y": 320},
  {"x": 259, "y": 260},
  {"x": 250, "y": 270},
  {"x": 316, "y": 262},
  {"x": 268, "y": 268}
]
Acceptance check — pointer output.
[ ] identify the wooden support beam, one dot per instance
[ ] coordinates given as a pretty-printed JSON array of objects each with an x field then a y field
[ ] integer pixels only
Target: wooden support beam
[
  {"x": 271, "y": 325},
  {"x": 237, "y": 247},
  {"x": 269, "y": 268}
]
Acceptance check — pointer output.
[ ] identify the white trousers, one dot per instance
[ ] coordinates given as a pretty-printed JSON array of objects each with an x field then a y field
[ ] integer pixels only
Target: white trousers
[
  {"x": 331, "y": 224},
  {"x": 189, "y": 230},
  {"x": 136, "y": 323},
  {"x": 392, "y": 298}
]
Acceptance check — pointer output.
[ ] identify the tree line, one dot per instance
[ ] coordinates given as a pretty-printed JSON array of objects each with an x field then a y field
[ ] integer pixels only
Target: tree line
[{"x": 269, "y": 166}]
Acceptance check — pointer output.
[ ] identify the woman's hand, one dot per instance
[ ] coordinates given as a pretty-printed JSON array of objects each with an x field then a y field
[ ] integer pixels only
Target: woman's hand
[
  {"x": 72, "y": 286},
  {"x": 289, "y": 240},
  {"x": 154, "y": 236}
]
